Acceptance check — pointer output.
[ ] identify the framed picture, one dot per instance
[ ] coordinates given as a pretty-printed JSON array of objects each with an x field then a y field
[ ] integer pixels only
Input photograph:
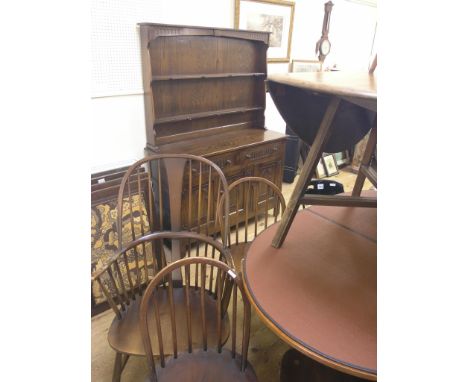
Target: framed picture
[
  {"x": 320, "y": 170},
  {"x": 343, "y": 158},
  {"x": 330, "y": 165},
  {"x": 275, "y": 16},
  {"x": 297, "y": 66}
]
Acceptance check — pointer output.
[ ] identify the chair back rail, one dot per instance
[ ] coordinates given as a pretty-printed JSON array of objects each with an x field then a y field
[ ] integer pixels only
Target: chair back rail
[
  {"x": 252, "y": 198},
  {"x": 126, "y": 275},
  {"x": 180, "y": 192},
  {"x": 224, "y": 276}
]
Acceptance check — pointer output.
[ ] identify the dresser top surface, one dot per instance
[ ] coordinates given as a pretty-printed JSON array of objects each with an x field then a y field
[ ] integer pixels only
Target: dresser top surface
[{"x": 222, "y": 142}]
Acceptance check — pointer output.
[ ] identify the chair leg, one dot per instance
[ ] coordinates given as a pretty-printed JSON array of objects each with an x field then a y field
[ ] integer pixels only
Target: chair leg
[{"x": 117, "y": 367}]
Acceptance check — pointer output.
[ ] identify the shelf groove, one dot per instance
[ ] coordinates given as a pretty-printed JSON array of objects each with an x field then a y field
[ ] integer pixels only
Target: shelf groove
[{"x": 216, "y": 113}]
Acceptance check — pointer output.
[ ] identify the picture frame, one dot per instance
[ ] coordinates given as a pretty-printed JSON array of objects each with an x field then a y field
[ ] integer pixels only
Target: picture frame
[
  {"x": 330, "y": 165},
  {"x": 320, "y": 171},
  {"x": 275, "y": 16},
  {"x": 342, "y": 158},
  {"x": 300, "y": 66}
]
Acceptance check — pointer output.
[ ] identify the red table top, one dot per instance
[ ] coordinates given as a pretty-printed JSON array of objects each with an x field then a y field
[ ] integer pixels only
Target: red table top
[{"x": 319, "y": 290}]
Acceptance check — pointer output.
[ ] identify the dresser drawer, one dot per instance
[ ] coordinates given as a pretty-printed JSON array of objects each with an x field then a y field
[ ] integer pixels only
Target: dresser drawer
[
  {"x": 226, "y": 162},
  {"x": 261, "y": 153}
]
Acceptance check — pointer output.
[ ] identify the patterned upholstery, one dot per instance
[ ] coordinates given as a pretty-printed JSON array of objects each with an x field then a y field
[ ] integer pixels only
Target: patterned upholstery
[{"x": 104, "y": 239}]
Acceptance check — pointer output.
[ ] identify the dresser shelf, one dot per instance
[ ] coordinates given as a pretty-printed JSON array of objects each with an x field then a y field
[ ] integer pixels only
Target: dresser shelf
[{"x": 216, "y": 113}]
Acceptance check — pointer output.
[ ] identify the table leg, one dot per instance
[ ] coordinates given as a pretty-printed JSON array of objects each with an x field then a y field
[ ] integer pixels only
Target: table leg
[
  {"x": 365, "y": 162},
  {"x": 310, "y": 164}
]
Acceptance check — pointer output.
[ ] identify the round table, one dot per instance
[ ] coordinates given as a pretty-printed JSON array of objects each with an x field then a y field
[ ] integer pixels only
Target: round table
[{"x": 318, "y": 290}]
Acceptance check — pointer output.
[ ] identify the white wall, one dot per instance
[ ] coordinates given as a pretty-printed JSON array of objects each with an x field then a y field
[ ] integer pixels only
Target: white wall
[
  {"x": 307, "y": 28},
  {"x": 118, "y": 126},
  {"x": 213, "y": 13},
  {"x": 351, "y": 33},
  {"x": 273, "y": 119},
  {"x": 352, "y": 28},
  {"x": 118, "y": 131}
]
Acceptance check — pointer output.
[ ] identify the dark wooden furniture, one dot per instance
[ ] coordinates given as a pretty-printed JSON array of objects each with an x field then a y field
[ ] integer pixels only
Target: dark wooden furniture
[
  {"x": 291, "y": 157},
  {"x": 211, "y": 362},
  {"x": 318, "y": 291},
  {"x": 126, "y": 276},
  {"x": 331, "y": 111},
  {"x": 205, "y": 95},
  {"x": 105, "y": 185},
  {"x": 258, "y": 201},
  {"x": 182, "y": 193}
]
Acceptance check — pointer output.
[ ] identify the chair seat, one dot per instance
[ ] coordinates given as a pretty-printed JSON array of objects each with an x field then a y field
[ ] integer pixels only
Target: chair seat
[
  {"x": 124, "y": 334},
  {"x": 205, "y": 366},
  {"x": 238, "y": 252}
]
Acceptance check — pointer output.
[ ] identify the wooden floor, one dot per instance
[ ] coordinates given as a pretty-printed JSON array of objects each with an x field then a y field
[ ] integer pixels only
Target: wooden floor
[{"x": 265, "y": 352}]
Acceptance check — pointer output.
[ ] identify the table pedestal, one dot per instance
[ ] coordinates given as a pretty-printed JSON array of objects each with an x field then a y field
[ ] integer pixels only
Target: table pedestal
[{"x": 296, "y": 367}]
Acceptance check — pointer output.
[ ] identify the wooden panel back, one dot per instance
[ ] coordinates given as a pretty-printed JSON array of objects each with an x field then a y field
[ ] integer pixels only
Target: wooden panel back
[
  {"x": 198, "y": 78},
  {"x": 200, "y": 82},
  {"x": 176, "y": 98},
  {"x": 171, "y": 55},
  {"x": 174, "y": 130}
]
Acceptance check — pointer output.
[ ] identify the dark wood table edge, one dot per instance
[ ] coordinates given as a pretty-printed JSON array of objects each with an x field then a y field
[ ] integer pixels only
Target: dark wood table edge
[
  {"x": 316, "y": 355},
  {"x": 319, "y": 87}
]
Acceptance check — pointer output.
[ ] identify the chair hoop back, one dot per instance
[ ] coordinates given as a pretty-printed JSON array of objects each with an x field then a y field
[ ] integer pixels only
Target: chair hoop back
[
  {"x": 226, "y": 288},
  {"x": 176, "y": 192},
  {"x": 251, "y": 197},
  {"x": 129, "y": 271}
]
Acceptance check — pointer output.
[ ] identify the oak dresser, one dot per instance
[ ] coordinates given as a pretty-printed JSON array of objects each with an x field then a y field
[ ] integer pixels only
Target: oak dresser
[{"x": 204, "y": 94}]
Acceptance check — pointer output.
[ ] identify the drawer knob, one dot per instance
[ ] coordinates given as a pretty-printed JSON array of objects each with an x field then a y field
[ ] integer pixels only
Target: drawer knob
[
  {"x": 228, "y": 161},
  {"x": 248, "y": 156}
]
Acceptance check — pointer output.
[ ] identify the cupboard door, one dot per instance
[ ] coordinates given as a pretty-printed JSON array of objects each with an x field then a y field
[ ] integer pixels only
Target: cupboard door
[{"x": 272, "y": 171}]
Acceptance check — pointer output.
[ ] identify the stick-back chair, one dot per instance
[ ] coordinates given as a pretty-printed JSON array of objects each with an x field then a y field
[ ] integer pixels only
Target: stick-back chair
[
  {"x": 254, "y": 200},
  {"x": 211, "y": 362},
  {"x": 124, "y": 279},
  {"x": 180, "y": 193}
]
